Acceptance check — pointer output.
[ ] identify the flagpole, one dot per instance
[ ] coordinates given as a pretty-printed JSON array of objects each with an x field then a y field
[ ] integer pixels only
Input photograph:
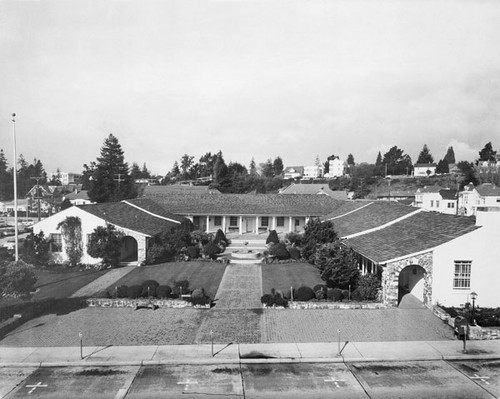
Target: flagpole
[{"x": 15, "y": 186}]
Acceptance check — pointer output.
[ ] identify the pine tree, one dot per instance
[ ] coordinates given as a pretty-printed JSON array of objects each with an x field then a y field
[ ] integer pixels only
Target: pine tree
[
  {"x": 378, "y": 162},
  {"x": 487, "y": 153},
  {"x": 425, "y": 156},
  {"x": 277, "y": 166},
  {"x": 450, "y": 156},
  {"x": 6, "y": 182},
  {"x": 350, "y": 160},
  {"x": 111, "y": 180},
  {"x": 253, "y": 167}
]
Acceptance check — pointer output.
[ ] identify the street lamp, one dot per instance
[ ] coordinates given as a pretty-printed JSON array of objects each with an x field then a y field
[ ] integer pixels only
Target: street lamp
[
  {"x": 16, "y": 234},
  {"x": 473, "y": 296},
  {"x": 80, "y": 335}
]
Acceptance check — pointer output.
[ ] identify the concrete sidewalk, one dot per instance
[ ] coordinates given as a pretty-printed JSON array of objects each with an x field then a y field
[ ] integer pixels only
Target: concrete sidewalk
[{"x": 248, "y": 353}]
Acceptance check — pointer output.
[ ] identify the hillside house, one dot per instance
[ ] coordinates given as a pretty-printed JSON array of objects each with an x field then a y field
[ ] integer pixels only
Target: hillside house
[
  {"x": 484, "y": 195},
  {"x": 318, "y": 189},
  {"x": 336, "y": 168},
  {"x": 437, "y": 199},
  {"x": 293, "y": 172},
  {"x": 424, "y": 169},
  {"x": 313, "y": 172}
]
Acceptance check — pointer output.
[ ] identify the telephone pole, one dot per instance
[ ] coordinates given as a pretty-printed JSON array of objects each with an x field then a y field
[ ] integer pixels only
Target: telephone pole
[
  {"x": 38, "y": 196},
  {"x": 16, "y": 234}
]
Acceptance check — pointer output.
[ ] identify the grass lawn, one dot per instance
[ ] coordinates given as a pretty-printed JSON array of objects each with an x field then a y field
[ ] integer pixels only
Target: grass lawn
[
  {"x": 283, "y": 276},
  {"x": 205, "y": 275}
]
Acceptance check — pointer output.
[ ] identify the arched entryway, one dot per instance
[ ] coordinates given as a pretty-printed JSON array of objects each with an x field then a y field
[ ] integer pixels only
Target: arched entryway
[
  {"x": 411, "y": 281},
  {"x": 128, "y": 252}
]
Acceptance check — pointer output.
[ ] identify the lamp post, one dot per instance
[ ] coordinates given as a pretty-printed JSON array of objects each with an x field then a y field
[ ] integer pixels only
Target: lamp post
[
  {"x": 80, "y": 335},
  {"x": 473, "y": 296}
]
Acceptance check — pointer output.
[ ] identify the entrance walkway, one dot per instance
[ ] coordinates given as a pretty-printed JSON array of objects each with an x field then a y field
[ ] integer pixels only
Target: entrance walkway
[
  {"x": 240, "y": 288},
  {"x": 103, "y": 282}
]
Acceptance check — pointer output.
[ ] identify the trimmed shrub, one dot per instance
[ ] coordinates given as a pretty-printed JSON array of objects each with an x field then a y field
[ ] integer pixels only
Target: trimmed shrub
[
  {"x": 163, "y": 291},
  {"x": 220, "y": 238},
  {"x": 294, "y": 252},
  {"x": 279, "y": 301},
  {"x": 320, "y": 294},
  {"x": 272, "y": 238},
  {"x": 267, "y": 300},
  {"x": 211, "y": 250},
  {"x": 201, "y": 237},
  {"x": 337, "y": 295},
  {"x": 368, "y": 287},
  {"x": 356, "y": 295},
  {"x": 279, "y": 251},
  {"x": 288, "y": 294},
  {"x": 176, "y": 288},
  {"x": 199, "y": 297},
  {"x": 320, "y": 287},
  {"x": 134, "y": 291},
  {"x": 193, "y": 252},
  {"x": 121, "y": 291},
  {"x": 345, "y": 294},
  {"x": 305, "y": 294},
  {"x": 156, "y": 254},
  {"x": 152, "y": 284}
]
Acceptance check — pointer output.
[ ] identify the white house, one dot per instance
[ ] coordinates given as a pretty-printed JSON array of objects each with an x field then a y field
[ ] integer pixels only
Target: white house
[
  {"x": 139, "y": 220},
  {"x": 484, "y": 195},
  {"x": 293, "y": 172},
  {"x": 66, "y": 177},
  {"x": 424, "y": 169},
  {"x": 313, "y": 172},
  {"x": 336, "y": 168},
  {"x": 437, "y": 199},
  {"x": 78, "y": 197}
]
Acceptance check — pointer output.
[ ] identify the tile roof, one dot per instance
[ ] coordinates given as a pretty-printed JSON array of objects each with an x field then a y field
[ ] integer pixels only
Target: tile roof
[
  {"x": 140, "y": 215},
  {"x": 245, "y": 204},
  {"x": 419, "y": 232},
  {"x": 314, "y": 189},
  {"x": 79, "y": 195},
  {"x": 368, "y": 216}
]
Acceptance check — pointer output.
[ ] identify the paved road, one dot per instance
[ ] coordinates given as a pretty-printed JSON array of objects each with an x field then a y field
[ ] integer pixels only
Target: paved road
[{"x": 433, "y": 379}]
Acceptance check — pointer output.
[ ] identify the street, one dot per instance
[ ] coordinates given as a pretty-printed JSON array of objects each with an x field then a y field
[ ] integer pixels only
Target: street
[{"x": 418, "y": 379}]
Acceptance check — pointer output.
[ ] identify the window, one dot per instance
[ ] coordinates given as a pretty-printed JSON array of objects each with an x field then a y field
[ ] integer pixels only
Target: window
[
  {"x": 437, "y": 204},
  {"x": 280, "y": 221},
  {"x": 451, "y": 205},
  {"x": 233, "y": 221},
  {"x": 461, "y": 280},
  {"x": 56, "y": 243},
  {"x": 264, "y": 221},
  {"x": 218, "y": 221},
  {"x": 432, "y": 203}
]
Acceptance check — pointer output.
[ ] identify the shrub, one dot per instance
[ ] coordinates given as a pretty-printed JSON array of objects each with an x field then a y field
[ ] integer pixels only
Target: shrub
[
  {"x": 156, "y": 254},
  {"x": 337, "y": 295},
  {"x": 345, "y": 294},
  {"x": 267, "y": 300},
  {"x": 152, "y": 284},
  {"x": 193, "y": 252},
  {"x": 294, "y": 252},
  {"x": 180, "y": 286},
  {"x": 320, "y": 294},
  {"x": 134, "y": 291},
  {"x": 337, "y": 265},
  {"x": 317, "y": 233},
  {"x": 163, "y": 291},
  {"x": 368, "y": 287},
  {"x": 288, "y": 294},
  {"x": 101, "y": 294},
  {"x": 304, "y": 294},
  {"x": 36, "y": 249},
  {"x": 106, "y": 243},
  {"x": 220, "y": 238},
  {"x": 357, "y": 295},
  {"x": 211, "y": 250},
  {"x": 294, "y": 238},
  {"x": 279, "y": 251},
  {"x": 320, "y": 287},
  {"x": 272, "y": 238},
  {"x": 121, "y": 291},
  {"x": 199, "y": 297},
  {"x": 279, "y": 301},
  {"x": 201, "y": 237}
]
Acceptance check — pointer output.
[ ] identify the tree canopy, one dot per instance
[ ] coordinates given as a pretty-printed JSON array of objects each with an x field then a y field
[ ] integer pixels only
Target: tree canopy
[
  {"x": 425, "y": 155},
  {"x": 397, "y": 162}
]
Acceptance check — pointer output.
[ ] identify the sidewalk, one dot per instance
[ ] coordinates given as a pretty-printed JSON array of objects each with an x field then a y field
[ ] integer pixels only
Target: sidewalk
[{"x": 248, "y": 353}]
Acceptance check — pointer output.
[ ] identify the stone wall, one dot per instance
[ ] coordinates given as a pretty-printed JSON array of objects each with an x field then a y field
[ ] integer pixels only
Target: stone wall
[{"x": 390, "y": 278}]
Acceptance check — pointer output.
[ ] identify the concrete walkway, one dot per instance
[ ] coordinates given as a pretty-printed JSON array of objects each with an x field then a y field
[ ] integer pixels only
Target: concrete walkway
[
  {"x": 103, "y": 282},
  {"x": 240, "y": 288},
  {"x": 248, "y": 353}
]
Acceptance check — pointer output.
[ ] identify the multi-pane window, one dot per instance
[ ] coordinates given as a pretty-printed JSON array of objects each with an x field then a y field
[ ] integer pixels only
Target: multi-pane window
[
  {"x": 56, "y": 243},
  {"x": 218, "y": 221},
  {"x": 432, "y": 203},
  {"x": 280, "y": 221},
  {"x": 451, "y": 205},
  {"x": 264, "y": 221},
  {"x": 233, "y": 221},
  {"x": 437, "y": 204},
  {"x": 461, "y": 279}
]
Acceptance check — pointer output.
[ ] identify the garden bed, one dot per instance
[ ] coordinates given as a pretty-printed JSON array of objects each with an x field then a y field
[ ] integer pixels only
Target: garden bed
[
  {"x": 141, "y": 303},
  {"x": 330, "y": 305}
]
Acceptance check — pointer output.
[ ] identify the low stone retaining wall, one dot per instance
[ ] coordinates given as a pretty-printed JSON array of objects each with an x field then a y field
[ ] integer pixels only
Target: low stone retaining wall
[
  {"x": 332, "y": 305},
  {"x": 134, "y": 303}
]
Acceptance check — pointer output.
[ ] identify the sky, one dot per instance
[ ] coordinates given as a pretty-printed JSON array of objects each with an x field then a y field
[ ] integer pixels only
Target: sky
[{"x": 252, "y": 78}]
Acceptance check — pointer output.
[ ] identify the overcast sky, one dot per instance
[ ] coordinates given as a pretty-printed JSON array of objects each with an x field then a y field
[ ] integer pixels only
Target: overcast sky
[{"x": 256, "y": 78}]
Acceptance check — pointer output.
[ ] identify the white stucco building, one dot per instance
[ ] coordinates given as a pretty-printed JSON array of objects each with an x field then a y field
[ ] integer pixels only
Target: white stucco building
[
  {"x": 336, "y": 168},
  {"x": 437, "y": 199},
  {"x": 484, "y": 195}
]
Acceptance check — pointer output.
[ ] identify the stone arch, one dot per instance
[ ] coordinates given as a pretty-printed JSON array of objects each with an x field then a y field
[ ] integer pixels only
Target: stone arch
[
  {"x": 129, "y": 249},
  {"x": 411, "y": 281},
  {"x": 391, "y": 278}
]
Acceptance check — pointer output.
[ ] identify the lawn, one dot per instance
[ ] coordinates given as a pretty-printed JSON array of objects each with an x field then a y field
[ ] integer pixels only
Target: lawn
[
  {"x": 286, "y": 275},
  {"x": 205, "y": 275}
]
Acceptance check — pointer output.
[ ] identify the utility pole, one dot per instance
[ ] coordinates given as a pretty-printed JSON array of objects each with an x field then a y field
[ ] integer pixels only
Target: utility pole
[
  {"x": 119, "y": 178},
  {"x": 15, "y": 188}
]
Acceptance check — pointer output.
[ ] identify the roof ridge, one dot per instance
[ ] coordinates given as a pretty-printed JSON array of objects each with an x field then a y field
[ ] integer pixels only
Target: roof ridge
[
  {"x": 150, "y": 213},
  {"x": 354, "y": 210}
]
